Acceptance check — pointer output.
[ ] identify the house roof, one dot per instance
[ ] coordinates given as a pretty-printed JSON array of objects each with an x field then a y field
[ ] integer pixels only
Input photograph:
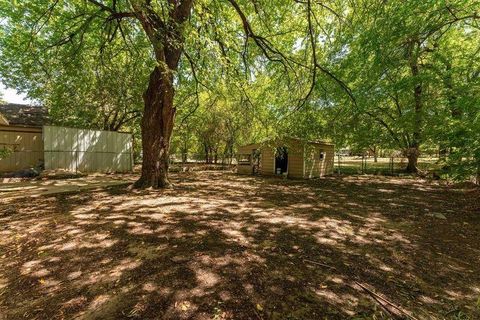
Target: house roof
[{"x": 24, "y": 115}]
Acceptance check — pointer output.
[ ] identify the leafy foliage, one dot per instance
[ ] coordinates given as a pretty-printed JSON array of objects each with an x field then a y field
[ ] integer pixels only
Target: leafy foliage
[
  {"x": 5, "y": 153},
  {"x": 414, "y": 74},
  {"x": 396, "y": 76}
]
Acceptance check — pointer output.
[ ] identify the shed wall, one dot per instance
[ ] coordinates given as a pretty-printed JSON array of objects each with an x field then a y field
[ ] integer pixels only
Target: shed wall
[
  {"x": 26, "y": 144},
  {"x": 267, "y": 161},
  {"x": 87, "y": 150},
  {"x": 246, "y": 168},
  {"x": 303, "y": 158},
  {"x": 329, "y": 160},
  {"x": 295, "y": 160},
  {"x": 316, "y": 167}
]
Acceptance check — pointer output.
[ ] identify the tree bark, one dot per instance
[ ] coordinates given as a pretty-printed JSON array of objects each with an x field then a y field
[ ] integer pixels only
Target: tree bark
[
  {"x": 414, "y": 149},
  {"x": 166, "y": 38},
  {"x": 157, "y": 126},
  {"x": 205, "y": 150},
  {"x": 210, "y": 152},
  {"x": 412, "y": 156},
  {"x": 452, "y": 103},
  {"x": 184, "y": 157},
  {"x": 375, "y": 154}
]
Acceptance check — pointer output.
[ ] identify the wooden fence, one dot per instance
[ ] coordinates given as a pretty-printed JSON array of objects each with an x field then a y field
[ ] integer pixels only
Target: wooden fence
[{"x": 87, "y": 150}]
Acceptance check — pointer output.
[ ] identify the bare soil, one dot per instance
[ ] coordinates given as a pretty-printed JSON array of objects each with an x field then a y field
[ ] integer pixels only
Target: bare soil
[{"x": 222, "y": 246}]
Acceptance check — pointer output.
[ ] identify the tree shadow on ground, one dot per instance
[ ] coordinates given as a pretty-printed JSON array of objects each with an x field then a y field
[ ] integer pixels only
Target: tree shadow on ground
[{"x": 221, "y": 246}]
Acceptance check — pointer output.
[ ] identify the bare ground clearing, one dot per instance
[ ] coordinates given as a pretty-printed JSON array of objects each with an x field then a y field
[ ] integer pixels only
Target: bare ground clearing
[{"x": 221, "y": 246}]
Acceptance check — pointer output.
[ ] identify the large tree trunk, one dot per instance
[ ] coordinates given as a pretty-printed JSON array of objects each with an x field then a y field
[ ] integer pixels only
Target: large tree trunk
[
  {"x": 414, "y": 150},
  {"x": 205, "y": 148},
  {"x": 215, "y": 155},
  {"x": 210, "y": 153},
  {"x": 157, "y": 125},
  {"x": 412, "y": 156},
  {"x": 375, "y": 154},
  {"x": 158, "y": 118}
]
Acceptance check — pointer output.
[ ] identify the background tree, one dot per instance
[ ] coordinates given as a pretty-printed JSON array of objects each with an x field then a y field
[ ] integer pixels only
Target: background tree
[
  {"x": 97, "y": 90},
  {"x": 392, "y": 55}
]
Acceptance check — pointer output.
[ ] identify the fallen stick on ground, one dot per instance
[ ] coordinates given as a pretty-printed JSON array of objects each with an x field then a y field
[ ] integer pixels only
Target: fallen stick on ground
[
  {"x": 378, "y": 298},
  {"x": 318, "y": 263}
]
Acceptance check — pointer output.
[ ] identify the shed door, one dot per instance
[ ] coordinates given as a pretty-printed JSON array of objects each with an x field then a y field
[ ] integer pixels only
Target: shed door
[{"x": 281, "y": 160}]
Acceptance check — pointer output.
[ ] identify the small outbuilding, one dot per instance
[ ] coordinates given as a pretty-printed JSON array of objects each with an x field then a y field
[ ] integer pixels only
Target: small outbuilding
[
  {"x": 292, "y": 157},
  {"x": 28, "y": 141},
  {"x": 21, "y": 134}
]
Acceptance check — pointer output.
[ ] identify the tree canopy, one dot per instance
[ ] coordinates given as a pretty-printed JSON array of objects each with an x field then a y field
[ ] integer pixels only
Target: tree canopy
[{"x": 396, "y": 75}]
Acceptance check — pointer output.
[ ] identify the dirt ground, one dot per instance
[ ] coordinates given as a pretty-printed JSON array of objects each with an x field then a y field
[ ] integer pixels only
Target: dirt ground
[
  {"x": 221, "y": 246},
  {"x": 40, "y": 188}
]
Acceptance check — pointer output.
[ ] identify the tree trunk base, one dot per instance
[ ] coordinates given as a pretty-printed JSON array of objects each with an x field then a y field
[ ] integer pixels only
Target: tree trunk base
[
  {"x": 412, "y": 156},
  {"x": 412, "y": 169},
  {"x": 152, "y": 182}
]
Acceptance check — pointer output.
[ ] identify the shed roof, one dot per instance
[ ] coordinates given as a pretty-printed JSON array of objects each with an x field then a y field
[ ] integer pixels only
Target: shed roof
[
  {"x": 320, "y": 142},
  {"x": 24, "y": 115},
  {"x": 276, "y": 141}
]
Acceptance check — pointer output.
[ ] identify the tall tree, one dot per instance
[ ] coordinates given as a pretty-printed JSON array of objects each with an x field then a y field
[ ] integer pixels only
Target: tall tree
[
  {"x": 391, "y": 56},
  {"x": 181, "y": 35}
]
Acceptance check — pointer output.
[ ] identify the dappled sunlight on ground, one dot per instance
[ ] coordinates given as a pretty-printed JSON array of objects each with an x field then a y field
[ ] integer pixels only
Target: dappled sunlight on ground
[
  {"x": 221, "y": 246},
  {"x": 36, "y": 188}
]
